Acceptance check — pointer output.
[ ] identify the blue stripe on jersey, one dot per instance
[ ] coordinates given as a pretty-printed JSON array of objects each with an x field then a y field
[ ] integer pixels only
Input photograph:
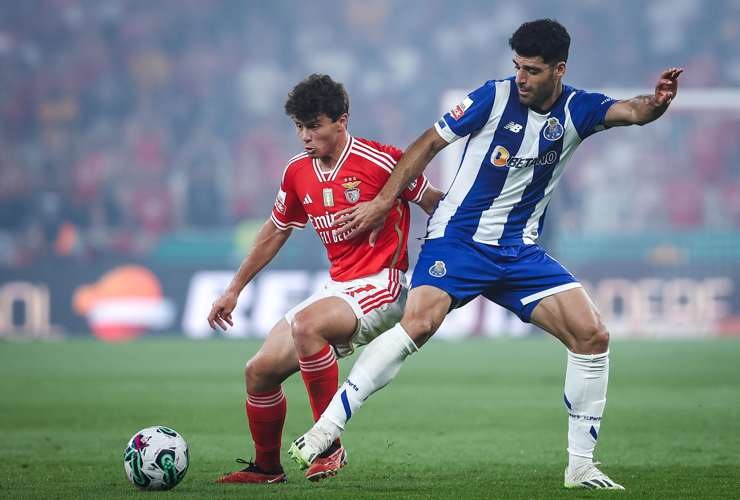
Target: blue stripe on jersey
[
  {"x": 535, "y": 191},
  {"x": 490, "y": 179}
]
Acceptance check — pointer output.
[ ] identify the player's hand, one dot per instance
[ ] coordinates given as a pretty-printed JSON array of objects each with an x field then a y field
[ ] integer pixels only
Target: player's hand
[
  {"x": 667, "y": 86},
  {"x": 366, "y": 216},
  {"x": 221, "y": 311}
]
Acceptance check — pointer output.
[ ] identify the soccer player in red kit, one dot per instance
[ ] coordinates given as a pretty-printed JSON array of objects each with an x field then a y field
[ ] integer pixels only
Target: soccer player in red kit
[{"x": 367, "y": 290}]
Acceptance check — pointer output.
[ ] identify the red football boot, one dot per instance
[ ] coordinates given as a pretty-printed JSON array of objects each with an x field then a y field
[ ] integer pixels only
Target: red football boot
[
  {"x": 327, "y": 464},
  {"x": 253, "y": 474}
]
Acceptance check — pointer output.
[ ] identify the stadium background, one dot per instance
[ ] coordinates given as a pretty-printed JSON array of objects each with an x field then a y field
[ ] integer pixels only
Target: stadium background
[
  {"x": 141, "y": 144},
  {"x": 153, "y": 134}
]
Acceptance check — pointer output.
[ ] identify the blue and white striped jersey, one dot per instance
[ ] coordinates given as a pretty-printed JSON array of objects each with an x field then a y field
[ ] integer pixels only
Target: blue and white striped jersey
[{"x": 512, "y": 161}]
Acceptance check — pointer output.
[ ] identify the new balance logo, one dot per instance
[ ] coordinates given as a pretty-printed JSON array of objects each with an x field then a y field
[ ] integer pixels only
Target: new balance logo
[
  {"x": 514, "y": 127},
  {"x": 307, "y": 200}
]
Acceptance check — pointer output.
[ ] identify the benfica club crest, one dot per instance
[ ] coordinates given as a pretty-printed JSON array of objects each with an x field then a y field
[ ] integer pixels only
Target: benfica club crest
[{"x": 351, "y": 191}]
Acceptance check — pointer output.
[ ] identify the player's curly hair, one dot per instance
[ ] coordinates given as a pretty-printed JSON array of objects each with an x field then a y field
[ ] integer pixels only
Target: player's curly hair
[
  {"x": 315, "y": 95},
  {"x": 543, "y": 37}
]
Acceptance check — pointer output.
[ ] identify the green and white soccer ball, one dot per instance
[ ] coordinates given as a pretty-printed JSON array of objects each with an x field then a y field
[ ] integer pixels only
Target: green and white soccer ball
[{"x": 156, "y": 458}]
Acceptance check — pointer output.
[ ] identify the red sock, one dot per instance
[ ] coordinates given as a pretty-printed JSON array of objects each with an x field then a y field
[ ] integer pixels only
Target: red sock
[
  {"x": 266, "y": 416},
  {"x": 320, "y": 373}
]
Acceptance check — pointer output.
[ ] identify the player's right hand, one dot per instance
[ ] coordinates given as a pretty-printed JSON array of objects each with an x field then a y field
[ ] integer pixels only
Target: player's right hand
[
  {"x": 363, "y": 217},
  {"x": 221, "y": 311}
]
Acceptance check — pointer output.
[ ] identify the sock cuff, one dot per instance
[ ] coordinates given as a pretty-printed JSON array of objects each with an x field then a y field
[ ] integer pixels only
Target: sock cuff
[
  {"x": 318, "y": 361},
  {"x": 587, "y": 358},
  {"x": 266, "y": 399},
  {"x": 399, "y": 333}
]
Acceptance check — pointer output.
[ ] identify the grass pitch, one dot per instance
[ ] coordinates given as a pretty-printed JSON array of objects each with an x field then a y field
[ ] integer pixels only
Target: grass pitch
[{"x": 480, "y": 419}]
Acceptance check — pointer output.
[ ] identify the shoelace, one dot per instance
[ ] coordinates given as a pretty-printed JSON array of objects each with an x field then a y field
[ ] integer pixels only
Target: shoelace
[{"x": 249, "y": 464}]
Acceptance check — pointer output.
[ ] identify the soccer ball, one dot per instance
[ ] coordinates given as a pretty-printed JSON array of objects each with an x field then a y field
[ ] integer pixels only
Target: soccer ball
[{"x": 156, "y": 458}]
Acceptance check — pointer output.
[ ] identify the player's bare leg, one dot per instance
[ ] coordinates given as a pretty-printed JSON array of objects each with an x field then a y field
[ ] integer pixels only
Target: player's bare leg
[
  {"x": 573, "y": 318},
  {"x": 266, "y": 406},
  {"x": 330, "y": 320},
  {"x": 327, "y": 321},
  {"x": 378, "y": 364}
]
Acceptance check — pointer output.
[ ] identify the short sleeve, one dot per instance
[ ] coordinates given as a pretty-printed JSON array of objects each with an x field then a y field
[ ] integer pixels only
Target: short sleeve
[
  {"x": 415, "y": 191},
  {"x": 288, "y": 210},
  {"x": 468, "y": 116},
  {"x": 587, "y": 110}
]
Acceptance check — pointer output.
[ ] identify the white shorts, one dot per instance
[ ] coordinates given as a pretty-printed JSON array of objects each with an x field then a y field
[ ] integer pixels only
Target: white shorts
[{"x": 377, "y": 301}]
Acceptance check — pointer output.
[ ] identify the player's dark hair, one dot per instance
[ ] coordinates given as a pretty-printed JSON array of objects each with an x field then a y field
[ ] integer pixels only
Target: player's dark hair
[
  {"x": 315, "y": 95},
  {"x": 543, "y": 37}
]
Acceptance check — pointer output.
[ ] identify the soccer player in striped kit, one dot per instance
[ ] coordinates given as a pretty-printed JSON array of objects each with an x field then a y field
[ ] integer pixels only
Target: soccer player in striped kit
[
  {"x": 482, "y": 239},
  {"x": 367, "y": 290}
]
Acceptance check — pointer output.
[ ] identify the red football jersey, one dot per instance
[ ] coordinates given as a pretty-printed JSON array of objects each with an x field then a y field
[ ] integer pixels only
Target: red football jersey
[{"x": 308, "y": 193}]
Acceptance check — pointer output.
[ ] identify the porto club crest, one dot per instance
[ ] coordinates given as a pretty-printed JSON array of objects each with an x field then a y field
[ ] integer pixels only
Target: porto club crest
[
  {"x": 438, "y": 269},
  {"x": 553, "y": 130}
]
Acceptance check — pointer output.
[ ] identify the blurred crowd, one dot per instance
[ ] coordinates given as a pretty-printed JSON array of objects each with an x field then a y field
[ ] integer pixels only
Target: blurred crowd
[{"x": 124, "y": 121}]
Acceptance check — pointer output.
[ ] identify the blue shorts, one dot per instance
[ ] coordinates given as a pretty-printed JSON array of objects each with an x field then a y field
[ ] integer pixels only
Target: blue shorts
[{"x": 516, "y": 277}]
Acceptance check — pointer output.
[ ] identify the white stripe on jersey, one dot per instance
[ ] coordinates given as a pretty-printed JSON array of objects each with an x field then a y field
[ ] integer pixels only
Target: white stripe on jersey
[
  {"x": 372, "y": 159},
  {"x": 290, "y": 162},
  {"x": 571, "y": 140},
  {"x": 283, "y": 226},
  {"x": 477, "y": 148},
  {"x": 388, "y": 159},
  {"x": 493, "y": 221},
  {"x": 420, "y": 194}
]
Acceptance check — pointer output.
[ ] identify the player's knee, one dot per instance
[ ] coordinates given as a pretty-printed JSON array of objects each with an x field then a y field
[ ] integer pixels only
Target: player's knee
[
  {"x": 255, "y": 374},
  {"x": 419, "y": 328},
  {"x": 592, "y": 339},
  {"x": 303, "y": 327}
]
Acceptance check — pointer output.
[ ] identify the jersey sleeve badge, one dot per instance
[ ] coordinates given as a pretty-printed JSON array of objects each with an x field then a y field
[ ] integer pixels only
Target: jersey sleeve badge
[
  {"x": 458, "y": 111},
  {"x": 280, "y": 202},
  {"x": 328, "y": 196}
]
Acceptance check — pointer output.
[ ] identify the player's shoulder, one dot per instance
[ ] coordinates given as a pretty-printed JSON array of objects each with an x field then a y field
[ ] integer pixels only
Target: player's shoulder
[
  {"x": 295, "y": 164},
  {"x": 386, "y": 151},
  {"x": 582, "y": 97}
]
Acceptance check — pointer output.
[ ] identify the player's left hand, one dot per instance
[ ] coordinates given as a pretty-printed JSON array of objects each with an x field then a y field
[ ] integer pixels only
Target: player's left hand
[{"x": 667, "y": 86}]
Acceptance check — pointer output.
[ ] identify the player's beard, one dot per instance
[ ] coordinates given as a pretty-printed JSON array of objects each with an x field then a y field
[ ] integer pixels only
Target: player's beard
[{"x": 536, "y": 97}]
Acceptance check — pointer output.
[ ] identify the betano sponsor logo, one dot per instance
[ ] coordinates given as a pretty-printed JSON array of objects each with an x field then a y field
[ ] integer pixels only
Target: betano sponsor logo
[{"x": 500, "y": 157}]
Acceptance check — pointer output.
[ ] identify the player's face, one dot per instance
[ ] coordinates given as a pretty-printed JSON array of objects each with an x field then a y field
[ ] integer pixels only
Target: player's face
[
  {"x": 321, "y": 137},
  {"x": 537, "y": 82}
]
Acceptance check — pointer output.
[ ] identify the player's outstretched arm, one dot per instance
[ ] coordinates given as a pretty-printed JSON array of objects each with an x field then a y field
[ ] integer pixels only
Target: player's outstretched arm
[
  {"x": 266, "y": 245},
  {"x": 371, "y": 214},
  {"x": 645, "y": 108}
]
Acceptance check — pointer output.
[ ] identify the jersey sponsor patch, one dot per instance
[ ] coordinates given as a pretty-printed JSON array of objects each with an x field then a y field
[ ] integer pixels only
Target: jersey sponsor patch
[
  {"x": 438, "y": 269},
  {"x": 328, "y": 196},
  {"x": 553, "y": 130},
  {"x": 280, "y": 202},
  {"x": 500, "y": 156},
  {"x": 458, "y": 111}
]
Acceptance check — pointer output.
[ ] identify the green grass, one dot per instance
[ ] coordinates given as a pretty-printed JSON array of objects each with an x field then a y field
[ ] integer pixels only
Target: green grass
[{"x": 481, "y": 419}]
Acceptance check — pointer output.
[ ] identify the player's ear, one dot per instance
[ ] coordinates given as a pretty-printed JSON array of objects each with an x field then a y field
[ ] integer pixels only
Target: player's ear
[{"x": 559, "y": 69}]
